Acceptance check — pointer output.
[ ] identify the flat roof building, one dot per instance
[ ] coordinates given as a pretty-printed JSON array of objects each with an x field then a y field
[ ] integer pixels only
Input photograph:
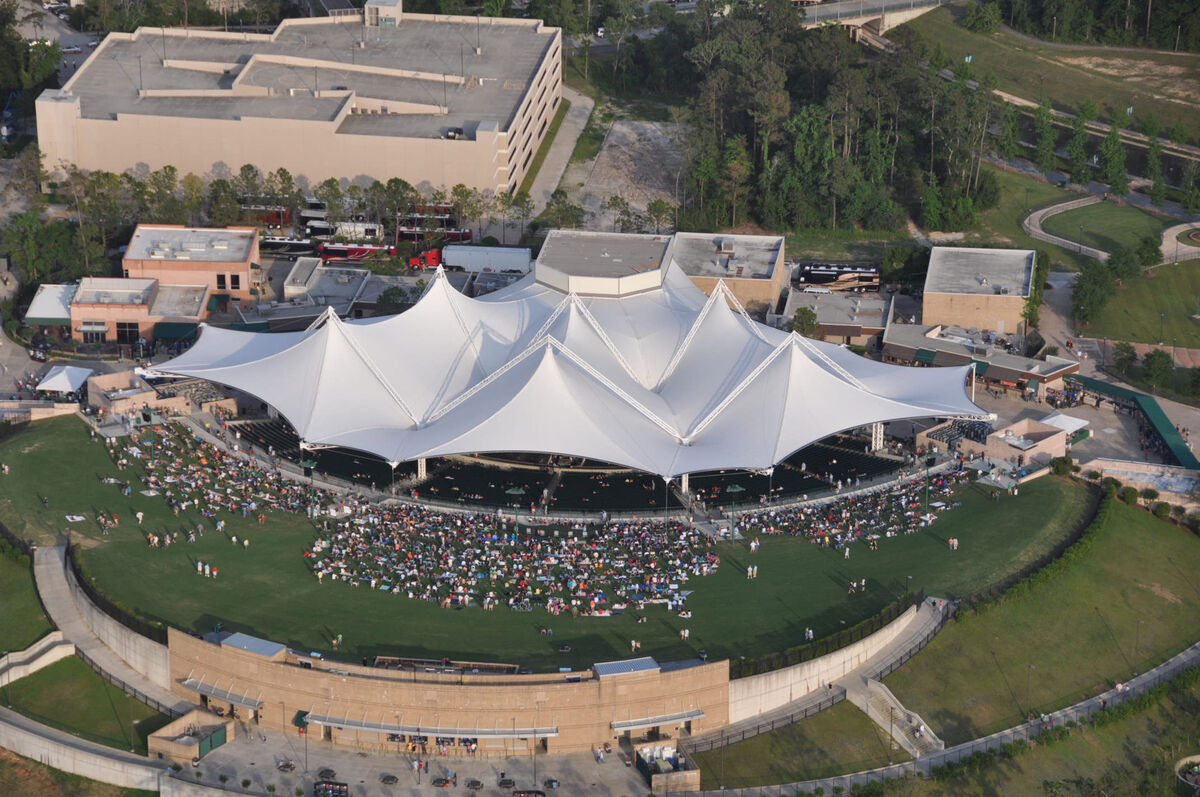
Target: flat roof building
[
  {"x": 226, "y": 259},
  {"x": 850, "y": 318},
  {"x": 435, "y": 100},
  {"x": 751, "y": 266},
  {"x": 978, "y": 288}
]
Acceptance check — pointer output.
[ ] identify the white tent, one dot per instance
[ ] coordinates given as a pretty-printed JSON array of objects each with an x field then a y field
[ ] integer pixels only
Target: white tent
[
  {"x": 64, "y": 379},
  {"x": 1068, "y": 423},
  {"x": 668, "y": 381}
]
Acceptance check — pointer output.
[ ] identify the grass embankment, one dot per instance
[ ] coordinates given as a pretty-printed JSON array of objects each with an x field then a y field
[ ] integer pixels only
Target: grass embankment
[
  {"x": 1124, "y": 604},
  {"x": 839, "y": 739},
  {"x": 1160, "y": 307},
  {"x": 1166, "y": 83},
  {"x": 1105, "y": 226},
  {"x": 69, "y": 696},
  {"x": 21, "y": 776},
  {"x": 22, "y": 621},
  {"x": 1019, "y": 194},
  {"x": 268, "y": 590},
  {"x": 544, "y": 149},
  {"x": 844, "y": 245}
]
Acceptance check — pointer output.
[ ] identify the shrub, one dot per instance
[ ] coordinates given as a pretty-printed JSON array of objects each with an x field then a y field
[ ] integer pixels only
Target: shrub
[
  {"x": 1061, "y": 466},
  {"x": 270, "y": 788},
  {"x": 245, "y": 783},
  {"x": 299, "y": 791},
  {"x": 223, "y": 778},
  {"x": 1149, "y": 493},
  {"x": 1162, "y": 510},
  {"x": 1130, "y": 496},
  {"x": 1093, "y": 474}
]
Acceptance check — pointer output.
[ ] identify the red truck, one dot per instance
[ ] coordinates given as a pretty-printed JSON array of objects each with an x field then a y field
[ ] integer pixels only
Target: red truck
[{"x": 431, "y": 258}]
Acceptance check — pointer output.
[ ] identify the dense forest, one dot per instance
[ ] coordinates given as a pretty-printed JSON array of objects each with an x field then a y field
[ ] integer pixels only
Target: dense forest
[
  {"x": 794, "y": 128},
  {"x": 1159, "y": 24}
]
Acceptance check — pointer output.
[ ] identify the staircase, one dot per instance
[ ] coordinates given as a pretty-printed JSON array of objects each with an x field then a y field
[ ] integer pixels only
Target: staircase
[{"x": 906, "y": 728}]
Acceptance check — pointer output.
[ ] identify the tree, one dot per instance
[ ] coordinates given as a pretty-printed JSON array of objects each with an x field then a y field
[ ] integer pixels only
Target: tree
[
  {"x": 391, "y": 301},
  {"x": 248, "y": 182},
  {"x": 28, "y": 176},
  {"x": 1047, "y": 137},
  {"x": 983, "y": 17},
  {"x": 561, "y": 213},
  {"x": 192, "y": 190},
  {"x": 223, "y": 206},
  {"x": 804, "y": 322},
  {"x": 522, "y": 209},
  {"x": 1008, "y": 143},
  {"x": 1156, "y": 367},
  {"x": 1124, "y": 357},
  {"x": 1112, "y": 160},
  {"x": 619, "y": 207},
  {"x": 735, "y": 176},
  {"x": 659, "y": 212},
  {"x": 1123, "y": 263},
  {"x": 330, "y": 193},
  {"x": 467, "y": 203},
  {"x": 1077, "y": 154},
  {"x": 1094, "y": 286},
  {"x": 1148, "y": 252}
]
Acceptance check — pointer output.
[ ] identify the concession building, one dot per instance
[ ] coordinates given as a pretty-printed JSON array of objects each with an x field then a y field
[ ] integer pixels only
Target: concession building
[{"x": 435, "y": 100}]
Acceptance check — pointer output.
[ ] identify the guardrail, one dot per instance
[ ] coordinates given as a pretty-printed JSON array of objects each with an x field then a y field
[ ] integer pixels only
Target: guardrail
[
  {"x": 132, "y": 691},
  {"x": 837, "y": 695},
  {"x": 154, "y": 632}
]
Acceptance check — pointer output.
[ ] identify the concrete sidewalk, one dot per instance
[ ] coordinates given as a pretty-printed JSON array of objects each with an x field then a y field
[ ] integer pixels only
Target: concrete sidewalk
[
  {"x": 49, "y": 571},
  {"x": 551, "y": 172}
]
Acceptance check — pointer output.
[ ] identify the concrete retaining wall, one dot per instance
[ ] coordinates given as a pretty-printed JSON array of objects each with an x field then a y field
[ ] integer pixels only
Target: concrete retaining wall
[
  {"x": 25, "y": 737},
  {"x": 43, "y": 653},
  {"x": 143, "y": 655},
  {"x": 758, "y": 694}
]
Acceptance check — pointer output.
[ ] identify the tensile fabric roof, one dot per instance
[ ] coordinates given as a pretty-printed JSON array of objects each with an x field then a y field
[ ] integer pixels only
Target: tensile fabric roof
[{"x": 668, "y": 381}]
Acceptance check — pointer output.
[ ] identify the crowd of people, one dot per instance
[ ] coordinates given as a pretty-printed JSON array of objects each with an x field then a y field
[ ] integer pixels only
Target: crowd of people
[
  {"x": 889, "y": 511},
  {"x": 483, "y": 559}
]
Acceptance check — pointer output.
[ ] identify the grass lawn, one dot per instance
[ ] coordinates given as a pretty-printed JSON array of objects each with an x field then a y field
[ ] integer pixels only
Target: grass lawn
[
  {"x": 1105, "y": 225},
  {"x": 1131, "y": 601},
  {"x": 22, "y": 622},
  {"x": 69, "y": 696},
  {"x": 544, "y": 149},
  {"x": 837, "y": 740},
  {"x": 851, "y": 245},
  {"x": 20, "y": 776},
  {"x": 1135, "y": 755},
  {"x": 1019, "y": 193},
  {"x": 1161, "y": 84},
  {"x": 1191, "y": 236},
  {"x": 599, "y": 85},
  {"x": 1154, "y": 308},
  {"x": 268, "y": 590}
]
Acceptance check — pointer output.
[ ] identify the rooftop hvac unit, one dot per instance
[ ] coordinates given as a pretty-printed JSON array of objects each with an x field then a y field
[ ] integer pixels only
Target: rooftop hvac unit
[
  {"x": 727, "y": 246},
  {"x": 219, "y": 243},
  {"x": 183, "y": 256}
]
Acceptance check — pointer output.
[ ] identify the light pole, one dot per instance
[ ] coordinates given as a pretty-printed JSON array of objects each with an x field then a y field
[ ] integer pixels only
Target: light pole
[
  {"x": 1137, "y": 638},
  {"x": 1162, "y": 321},
  {"x": 1029, "y": 668}
]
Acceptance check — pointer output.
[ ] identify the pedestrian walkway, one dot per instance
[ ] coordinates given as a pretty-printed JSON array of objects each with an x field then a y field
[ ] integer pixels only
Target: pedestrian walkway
[
  {"x": 50, "y": 574},
  {"x": 930, "y": 617},
  {"x": 1032, "y": 225},
  {"x": 905, "y": 726},
  {"x": 1176, "y": 251},
  {"x": 555, "y": 164}
]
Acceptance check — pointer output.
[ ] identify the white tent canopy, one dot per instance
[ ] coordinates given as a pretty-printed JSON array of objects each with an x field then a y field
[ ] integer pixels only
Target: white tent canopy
[
  {"x": 668, "y": 381},
  {"x": 1068, "y": 423},
  {"x": 64, "y": 379}
]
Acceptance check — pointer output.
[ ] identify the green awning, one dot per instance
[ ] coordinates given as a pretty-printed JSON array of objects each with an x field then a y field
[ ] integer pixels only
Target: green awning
[
  {"x": 175, "y": 330},
  {"x": 1103, "y": 388},
  {"x": 250, "y": 326},
  {"x": 301, "y": 719},
  {"x": 47, "y": 322},
  {"x": 1150, "y": 408},
  {"x": 1033, "y": 381},
  {"x": 980, "y": 367},
  {"x": 925, "y": 356},
  {"x": 217, "y": 300}
]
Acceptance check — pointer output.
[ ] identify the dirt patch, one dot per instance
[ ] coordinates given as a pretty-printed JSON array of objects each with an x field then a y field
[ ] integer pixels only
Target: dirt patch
[
  {"x": 33, "y": 447},
  {"x": 36, "y": 780},
  {"x": 1162, "y": 592},
  {"x": 639, "y": 162},
  {"x": 1170, "y": 79}
]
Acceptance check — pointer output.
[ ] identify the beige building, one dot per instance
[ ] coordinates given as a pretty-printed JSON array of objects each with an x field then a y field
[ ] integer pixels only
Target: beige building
[
  {"x": 225, "y": 260},
  {"x": 978, "y": 288},
  {"x": 751, "y": 266},
  {"x": 850, "y": 318},
  {"x": 110, "y": 309},
  {"x": 434, "y": 100},
  {"x": 506, "y": 714}
]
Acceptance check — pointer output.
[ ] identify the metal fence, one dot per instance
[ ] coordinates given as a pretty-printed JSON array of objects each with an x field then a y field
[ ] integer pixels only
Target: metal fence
[
  {"x": 900, "y": 657},
  {"x": 21, "y": 545},
  {"x": 797, "y": 655},
  {"x": 1079, "y": 713},
  {"x": 717, "y": 741},
  {"x": 157, "y": 633},
  {"x": 128, "y": 689}
]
